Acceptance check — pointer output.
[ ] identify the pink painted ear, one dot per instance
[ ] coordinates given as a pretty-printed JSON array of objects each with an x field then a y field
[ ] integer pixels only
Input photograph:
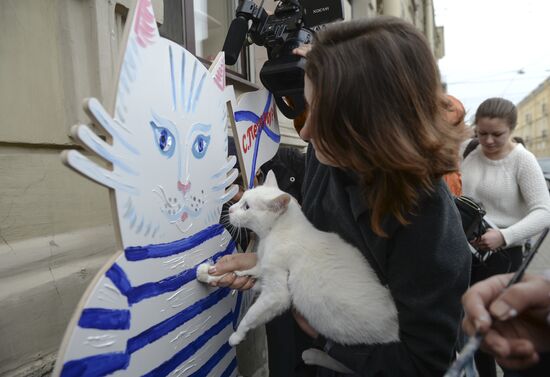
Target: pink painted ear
[
  {"x": 217, "y": 70},
  {"x": 280, "y": 203},
  {"x": 145, "y": 26},
  {"x": 270, "y": 179}
]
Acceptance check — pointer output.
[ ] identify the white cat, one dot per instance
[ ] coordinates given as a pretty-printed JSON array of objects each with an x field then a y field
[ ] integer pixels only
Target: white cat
[{"x": 326, "y": 279}]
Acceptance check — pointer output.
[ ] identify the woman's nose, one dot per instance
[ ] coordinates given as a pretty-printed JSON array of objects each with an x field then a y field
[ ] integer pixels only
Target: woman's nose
[{"x": 305, "y": 133}]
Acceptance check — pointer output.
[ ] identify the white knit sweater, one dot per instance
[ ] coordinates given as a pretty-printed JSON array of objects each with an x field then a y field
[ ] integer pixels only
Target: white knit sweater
[{"x": 512, "y": 190}]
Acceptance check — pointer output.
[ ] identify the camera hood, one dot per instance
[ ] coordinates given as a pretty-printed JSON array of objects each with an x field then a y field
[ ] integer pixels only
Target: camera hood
[{"x": 284, "y": 77}]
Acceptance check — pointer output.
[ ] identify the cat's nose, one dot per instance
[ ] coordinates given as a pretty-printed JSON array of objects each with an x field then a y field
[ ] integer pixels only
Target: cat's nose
[
  {"x": 231, "y": 209},
  {"x": 184, "y": 187}
]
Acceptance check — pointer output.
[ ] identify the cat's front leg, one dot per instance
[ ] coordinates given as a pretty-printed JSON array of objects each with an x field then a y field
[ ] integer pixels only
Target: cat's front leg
[
  {"x": 272, "y": 301},
  {"x": 205, "y": 277},
  {"x": 254, "y": 272}
]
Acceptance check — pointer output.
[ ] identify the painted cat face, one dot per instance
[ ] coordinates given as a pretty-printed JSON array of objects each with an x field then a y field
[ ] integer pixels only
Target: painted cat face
[{"x": 169, "y": 142}]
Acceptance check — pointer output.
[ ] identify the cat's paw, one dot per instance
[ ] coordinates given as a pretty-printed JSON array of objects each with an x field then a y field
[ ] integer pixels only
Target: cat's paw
[
  {"x": 202, "y": 273},
  {"x": 235, "y": 339}
]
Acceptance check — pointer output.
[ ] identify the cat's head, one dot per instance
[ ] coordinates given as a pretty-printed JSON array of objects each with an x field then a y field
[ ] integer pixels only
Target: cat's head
[{"x": 259, "y": 208}]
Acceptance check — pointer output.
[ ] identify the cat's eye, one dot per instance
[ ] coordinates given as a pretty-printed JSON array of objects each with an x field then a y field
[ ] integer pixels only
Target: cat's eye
[
  {"x": 200, "y": 146},
  {"x": 245, "y": 206},
  {"x": 164, "y": 139}
]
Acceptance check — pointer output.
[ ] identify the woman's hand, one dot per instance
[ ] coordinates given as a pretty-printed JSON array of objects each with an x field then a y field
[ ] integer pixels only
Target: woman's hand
[
  {"x": 490, "y": 240},
  {"x": 304, "y": 324},
  {"x": 519, "y": 329},
  {"x": 302, "y": 50},
  {"x": 231, "y": 263}
]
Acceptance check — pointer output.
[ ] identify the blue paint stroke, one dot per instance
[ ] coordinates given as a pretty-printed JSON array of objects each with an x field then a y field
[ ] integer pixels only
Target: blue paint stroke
[
  {"x": 138, "y": 253},
  {"x": 182, "y": 79},
  {"x": 201, "y": 127},
  {"x": 258, "y": 137},
  {"x": 99, "y": 174},
  {"x": 93, "y": 366},
  {"x": 168, "y": 366},
  {"x": 198, "y": 93},
  {"x": 105, "y": 319},
  {"x": 207, "y": 367},
  {"x": 119, "y": 278},
  {"x": 172, "y": 80},
  {"x": 172, "y": 283},
  {"x": 152, "y": 289},
  {"x": 230, "y": 368},
  {"x": 105, "y": 120},
  {"x": 170, "y": 324},
  {"x": 246, "y": 115},
  {"x": 251, "y": 117},
  {"x": 104, "y": 151},
  {"x": 102, "y": 365},
  {"x": 158, "y": 288},
  {"x": 192, "y": 88}
]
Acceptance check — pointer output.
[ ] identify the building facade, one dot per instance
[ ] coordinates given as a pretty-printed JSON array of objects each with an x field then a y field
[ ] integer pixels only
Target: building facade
[
  {"x": 534, "y": 120},
  {"x": 55, "y": 227}
]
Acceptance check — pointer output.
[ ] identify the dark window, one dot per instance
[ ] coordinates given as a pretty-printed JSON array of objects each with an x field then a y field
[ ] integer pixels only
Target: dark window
[{"x": 201, "y": 26}]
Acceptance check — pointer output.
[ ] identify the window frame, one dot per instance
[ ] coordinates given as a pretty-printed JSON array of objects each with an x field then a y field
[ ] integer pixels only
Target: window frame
[{"x": 179, "y": 27}]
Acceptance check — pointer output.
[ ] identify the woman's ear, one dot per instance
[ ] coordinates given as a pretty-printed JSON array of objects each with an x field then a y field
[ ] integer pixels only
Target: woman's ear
[
  {"x": 280, "y": 203},
  {"x": 270, "y": 180}
]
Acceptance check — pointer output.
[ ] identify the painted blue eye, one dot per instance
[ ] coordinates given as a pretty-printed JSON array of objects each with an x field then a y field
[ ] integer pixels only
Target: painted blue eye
[
  {"x": 200, "y": 146},
  {"x": 164, "y": 139}
]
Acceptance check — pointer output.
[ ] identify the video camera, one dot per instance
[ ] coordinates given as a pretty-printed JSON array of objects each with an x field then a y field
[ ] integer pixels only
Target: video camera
[{"x": 292, "y": 24}]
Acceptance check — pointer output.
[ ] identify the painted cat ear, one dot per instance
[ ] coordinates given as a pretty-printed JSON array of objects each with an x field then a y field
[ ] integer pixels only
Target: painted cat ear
[
  {"x": 144, "y": 25},
  {"x": 217, "y": 70},
  {"x": 280, "y": 203},
  {"x": 270, "y": 179}
]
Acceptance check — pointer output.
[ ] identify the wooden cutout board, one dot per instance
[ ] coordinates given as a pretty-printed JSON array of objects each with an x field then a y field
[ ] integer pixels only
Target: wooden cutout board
[{"x": 169, "y": 175}]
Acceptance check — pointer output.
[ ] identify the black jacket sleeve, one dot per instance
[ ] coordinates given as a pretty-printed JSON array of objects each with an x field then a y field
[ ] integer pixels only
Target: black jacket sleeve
[
  {"x": 426, "y": 266},
  {"x": 541, "y": 369}
]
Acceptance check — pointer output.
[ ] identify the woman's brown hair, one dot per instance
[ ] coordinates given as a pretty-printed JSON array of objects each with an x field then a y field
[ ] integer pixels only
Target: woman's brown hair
[
  {"x": 378, "y": 110},
  {"x": 497, "y": 107}
]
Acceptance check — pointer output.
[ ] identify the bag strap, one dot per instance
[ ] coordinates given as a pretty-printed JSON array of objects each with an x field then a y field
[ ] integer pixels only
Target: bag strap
[{"x": 470, "y": 147}]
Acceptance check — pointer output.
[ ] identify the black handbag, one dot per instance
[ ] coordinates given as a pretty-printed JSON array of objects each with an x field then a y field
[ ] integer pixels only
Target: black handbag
[{"x": 471, "y": 214}]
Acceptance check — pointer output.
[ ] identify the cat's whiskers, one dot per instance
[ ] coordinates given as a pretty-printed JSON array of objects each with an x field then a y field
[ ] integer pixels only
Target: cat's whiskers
[
  {"x": 224, "y": 220},
  {"x": 179, "y": 224},
  {"x": 162, "y": 196}
]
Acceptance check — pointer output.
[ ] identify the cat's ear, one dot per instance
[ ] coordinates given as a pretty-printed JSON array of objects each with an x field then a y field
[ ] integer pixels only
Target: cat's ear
[
  {"x": 270, "y": 179},
  {"x": 144, "y": 28},
  {"x": 280, "y": 203}
]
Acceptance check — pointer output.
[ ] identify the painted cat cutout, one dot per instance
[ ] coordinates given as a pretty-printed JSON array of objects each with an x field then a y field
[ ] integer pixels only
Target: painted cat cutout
[{"x": 166, "y": 164}]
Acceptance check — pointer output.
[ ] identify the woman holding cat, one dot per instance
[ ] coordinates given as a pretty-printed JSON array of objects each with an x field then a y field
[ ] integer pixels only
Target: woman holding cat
[{"x": 367, "y": 82}]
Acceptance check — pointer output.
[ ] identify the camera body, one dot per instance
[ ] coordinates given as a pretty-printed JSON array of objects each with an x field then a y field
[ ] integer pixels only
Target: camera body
[{"x": 292, "y": 24}]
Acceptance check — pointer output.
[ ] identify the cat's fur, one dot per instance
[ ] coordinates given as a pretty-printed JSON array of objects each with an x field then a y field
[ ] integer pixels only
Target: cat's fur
[{"x": 326, "y": 279}]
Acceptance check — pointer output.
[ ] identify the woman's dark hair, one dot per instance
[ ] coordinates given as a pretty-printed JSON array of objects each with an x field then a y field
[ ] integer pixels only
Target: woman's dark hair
[
  {"x": 378, "y": 110},
  {"x": 498, "y": 108}
]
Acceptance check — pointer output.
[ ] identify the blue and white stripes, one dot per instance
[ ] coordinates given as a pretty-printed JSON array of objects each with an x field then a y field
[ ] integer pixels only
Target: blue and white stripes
[{"x": 124, "y": 320}]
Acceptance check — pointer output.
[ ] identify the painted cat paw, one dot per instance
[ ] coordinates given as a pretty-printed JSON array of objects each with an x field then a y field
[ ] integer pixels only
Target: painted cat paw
[
  {"x": 202, "y": 272},
  {"x": 235, "y": 339}
]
